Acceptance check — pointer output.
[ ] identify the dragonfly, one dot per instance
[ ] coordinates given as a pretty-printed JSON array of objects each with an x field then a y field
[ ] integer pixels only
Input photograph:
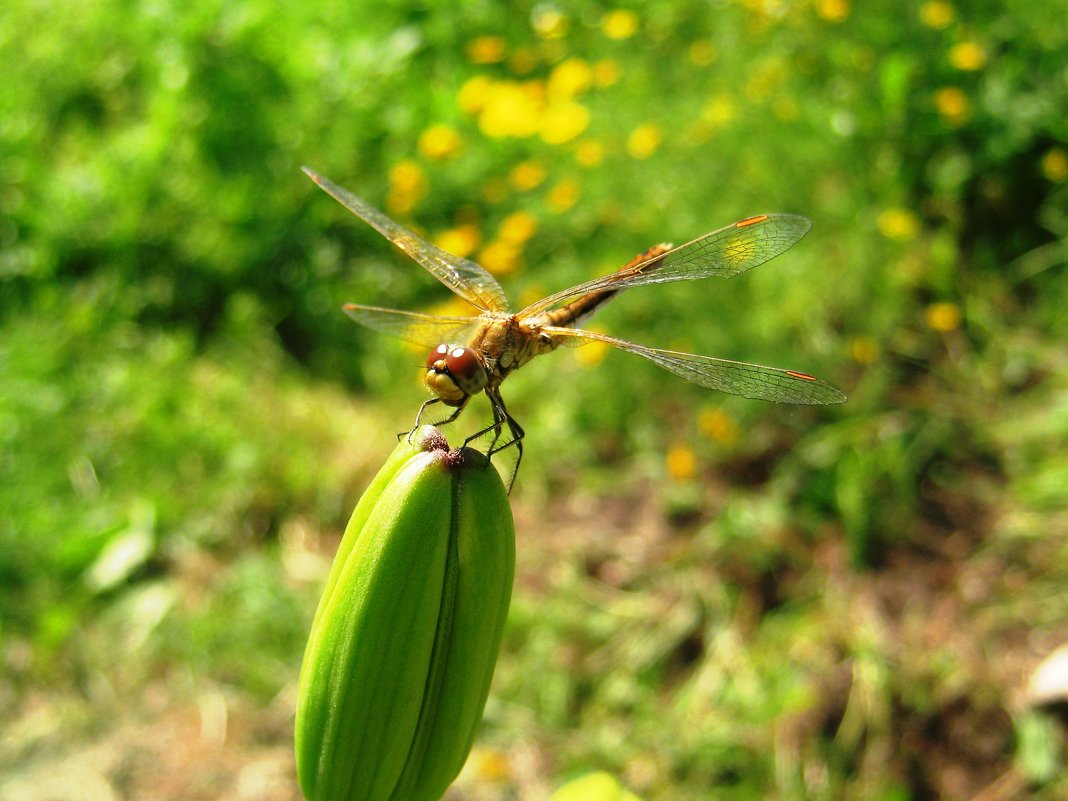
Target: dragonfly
[{"x": 473, "y": 354}]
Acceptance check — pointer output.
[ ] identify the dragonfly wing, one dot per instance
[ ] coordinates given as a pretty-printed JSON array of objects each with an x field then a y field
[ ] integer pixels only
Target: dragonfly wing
[
  {"x": 724, "y": 253},
  {"x": 735, "y": 378},
  {"x": 467, "y": 279},
  {"x": 421, "y": 329}
]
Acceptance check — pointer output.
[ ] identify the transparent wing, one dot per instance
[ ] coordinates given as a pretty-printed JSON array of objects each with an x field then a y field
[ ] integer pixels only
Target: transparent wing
[
  {"x": 467, "y": 279},
  {"x": 735, "y": 378},
  {"x": 724, "y": 253},
  {"x": 427, "y": 330}
]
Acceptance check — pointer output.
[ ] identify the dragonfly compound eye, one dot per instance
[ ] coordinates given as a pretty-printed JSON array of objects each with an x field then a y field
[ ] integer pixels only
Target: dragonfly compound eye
[
  {"x": 436, "y": 359},
  {"x": 454, "y": 372},
  {"x": 466, "y": 369}
]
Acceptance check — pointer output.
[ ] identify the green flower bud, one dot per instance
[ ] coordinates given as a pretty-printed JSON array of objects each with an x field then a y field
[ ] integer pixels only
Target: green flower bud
[{"x": 404, "y": 642}]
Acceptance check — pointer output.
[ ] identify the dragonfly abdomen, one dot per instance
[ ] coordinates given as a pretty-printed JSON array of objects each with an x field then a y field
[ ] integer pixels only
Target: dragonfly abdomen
[{"x": 579, "y": 309}]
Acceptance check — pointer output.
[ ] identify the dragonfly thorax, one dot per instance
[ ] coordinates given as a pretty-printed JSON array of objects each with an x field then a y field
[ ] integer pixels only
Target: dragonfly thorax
[{"x": 453, "y": 373}]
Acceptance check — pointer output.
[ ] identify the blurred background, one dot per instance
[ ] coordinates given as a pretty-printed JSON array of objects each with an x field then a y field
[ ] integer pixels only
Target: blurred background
[{"x": 716, "y": 597}]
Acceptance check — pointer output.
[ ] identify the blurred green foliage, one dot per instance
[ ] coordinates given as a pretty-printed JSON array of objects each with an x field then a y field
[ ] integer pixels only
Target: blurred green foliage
[{"x": 176, "y": 378}]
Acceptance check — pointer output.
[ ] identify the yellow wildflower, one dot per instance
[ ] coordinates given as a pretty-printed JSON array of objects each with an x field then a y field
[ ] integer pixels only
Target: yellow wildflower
[
  {"x": 550, "y": 23},
  {"x": 718, "y": 111},
  {"x": 681, "y": 462},
  {"x": 511, "y": 109},
  {"x": 500, "y": 258},
  {"x": 589, "y": 153},
  {"x": 943, "y": 316},
  {"x": 407, "y": 186},
  {"x": 564, "y": 195},
  {"x": 453, "y": 306},
  {"x": 518, "y": 227},
  {"x": 439, "y": 142},
  {"x": 526, "y": 175},
  {"x": 899, "y": 224},
  {"x": 953, "y": 105},
  {"x": 833, "y": 10},
  {"x": 562, "y": 122},
  {"x": 718, "y": 425},
  {"x": 532, "y": 294},
  {"x": 864, "y": 350},
  {"x": 967, "y": 56},
  {"x": 619, "y": 24},
  {"x": 569, "y": 78},
  {"x": 1055, "y": 164},
  {"x": 473, "y": 94},
  {"x": 407, "y": 176},
  {"x": 459, "y": 241},
  {"x": 937, "y": 14},
  {"x": 490, "y": 765},
  {"x": 486, "y": 50},
  {"x": 643, "y": 141},
  {"x": 591, "y": 354}
]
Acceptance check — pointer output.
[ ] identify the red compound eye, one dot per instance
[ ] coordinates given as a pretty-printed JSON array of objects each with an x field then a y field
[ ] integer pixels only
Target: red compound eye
[
  {"x": 454, "y": 372},
  {"x": 463, "y": 365},
  {"x": 439, "y": 353}
]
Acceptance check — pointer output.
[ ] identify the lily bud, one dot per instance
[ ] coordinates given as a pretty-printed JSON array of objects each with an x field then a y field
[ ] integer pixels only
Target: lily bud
[{"x": 403, "y": 645}]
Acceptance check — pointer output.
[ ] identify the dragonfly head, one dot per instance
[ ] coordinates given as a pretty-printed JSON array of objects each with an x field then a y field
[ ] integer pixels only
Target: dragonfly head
[{"x": 454, "y": 372}]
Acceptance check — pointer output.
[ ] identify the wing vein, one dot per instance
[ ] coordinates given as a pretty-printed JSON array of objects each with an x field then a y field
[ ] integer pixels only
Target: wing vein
[
  {"x": 465, "y": 278},
  {"x": 752, "y": 381}
]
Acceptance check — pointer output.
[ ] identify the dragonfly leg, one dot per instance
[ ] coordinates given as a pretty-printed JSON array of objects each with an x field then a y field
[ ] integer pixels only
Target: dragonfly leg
[
  {"x": 517, "y": 433},
  {"x": 495, "y": 427},
  {"x": 422, "y": 410},
  {"x": 502, "y": 418},
  {"x": 443, "y": 421}
]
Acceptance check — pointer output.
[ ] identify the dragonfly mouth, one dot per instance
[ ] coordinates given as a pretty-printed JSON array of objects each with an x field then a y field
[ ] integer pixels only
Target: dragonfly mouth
[{"x": 442, "y": 386}]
